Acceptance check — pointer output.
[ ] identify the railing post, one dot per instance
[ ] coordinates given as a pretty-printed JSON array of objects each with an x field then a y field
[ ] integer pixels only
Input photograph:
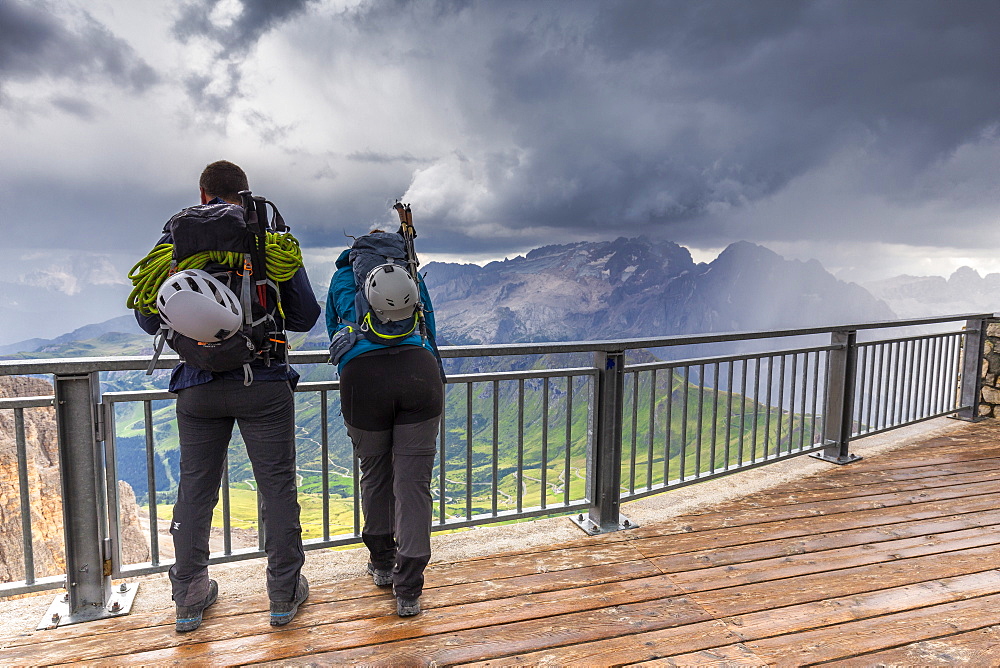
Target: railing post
[
  {"x": 971, "y": 387},
  {"x": 84, "y": 502},
  {"x": 604, "y": 451},
  {"x": 838, "y": 418}
]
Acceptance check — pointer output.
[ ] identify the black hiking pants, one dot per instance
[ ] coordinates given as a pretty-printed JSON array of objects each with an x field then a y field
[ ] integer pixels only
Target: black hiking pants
[
  {"x": 265, "y": 413},
  {"x": 392, "y": 401}
]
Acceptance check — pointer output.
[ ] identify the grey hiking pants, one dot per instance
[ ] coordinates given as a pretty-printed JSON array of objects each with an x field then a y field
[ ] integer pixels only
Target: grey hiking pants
[
  {"x": 265, "y": 413},
  {"x": 392, "y": 401}
]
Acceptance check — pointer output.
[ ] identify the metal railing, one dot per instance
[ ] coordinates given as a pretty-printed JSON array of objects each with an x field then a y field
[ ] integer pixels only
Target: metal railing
[{"x": 578, "y": 436}]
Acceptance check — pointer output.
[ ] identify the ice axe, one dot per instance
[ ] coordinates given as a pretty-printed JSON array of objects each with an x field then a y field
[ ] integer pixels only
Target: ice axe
[{"x": 408, "y": 233}]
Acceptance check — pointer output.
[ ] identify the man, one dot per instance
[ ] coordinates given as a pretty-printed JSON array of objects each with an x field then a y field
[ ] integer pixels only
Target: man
[{"x": 208, "y": 404}]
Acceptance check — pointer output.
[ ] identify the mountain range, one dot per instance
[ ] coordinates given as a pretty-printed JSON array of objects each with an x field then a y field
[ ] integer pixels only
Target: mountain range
[
  {"x": 635, "y": 288},
  {"x": 588, "y": 290}
]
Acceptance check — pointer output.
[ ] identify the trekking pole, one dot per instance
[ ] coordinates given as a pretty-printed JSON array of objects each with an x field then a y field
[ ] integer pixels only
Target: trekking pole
[{"x": 408, "y": 232}]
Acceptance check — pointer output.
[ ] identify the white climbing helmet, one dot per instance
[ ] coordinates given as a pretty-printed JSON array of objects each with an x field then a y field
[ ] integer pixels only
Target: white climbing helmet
[
  {"x": 391, "y": 292},
  {"x": 199, "y": 306}
]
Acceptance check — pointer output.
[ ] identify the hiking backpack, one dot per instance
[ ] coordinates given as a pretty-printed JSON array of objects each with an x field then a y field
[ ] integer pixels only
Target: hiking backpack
[
  {"x": 241, "y": 233},
  {"x": 367, "y": 254}
]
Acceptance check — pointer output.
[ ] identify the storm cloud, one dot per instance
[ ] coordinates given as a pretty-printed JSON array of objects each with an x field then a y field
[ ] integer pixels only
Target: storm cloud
[
  {"x": 661, "y": 116},
  {"x": 35, "y": 44},
  {"x": 247, "y": 22},
  {"x": 840, "y": 130}
]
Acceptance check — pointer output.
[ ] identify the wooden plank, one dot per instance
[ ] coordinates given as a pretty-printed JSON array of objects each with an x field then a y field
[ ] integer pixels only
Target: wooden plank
[
  {"x": 784, "y": 497},
  {"x": 840, "y": 583},
  {"x": 674, "y": 543},
  {"x": 977, "y": 499},
  {"x": 487, "y": 573},
  {"x": 637, "y": 643},
  {"x": 881, "y": 476},
  {"x": 824, "y": 546},
  {"x": 227, "y": 605},
  {"x": 844, "y": 578},
  {"x": 526, "y": 563},
  {"x": 801, "y": 564},
  {"x": 538, "y": 561},
  {"x": 718, "y": 555},
  {"x": 724, "y": 657},
  {"x": 251, "y": 619},
  {"x": 869, "y": 635},
  {"x": 973, "y": 648},
  {"x": 834, "y": 614},
  {"x": 244, "y": 638},
  {"x": 745, "y": 517},
  {"x": 723, "y": 530},
  {"x": 871, "y": 605},
  {"x": 987, "y": 485},
  {"x": 450, "y": 573},
  {"x": 553, "y": 636},
  {"x": 923, "y": 458},
  {"x": 941, "y": 453},
  {"x": 584, "y": 540}
]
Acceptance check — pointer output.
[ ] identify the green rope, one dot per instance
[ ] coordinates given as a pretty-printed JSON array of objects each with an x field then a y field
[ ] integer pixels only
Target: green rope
[{"x": 282, "y": 256}]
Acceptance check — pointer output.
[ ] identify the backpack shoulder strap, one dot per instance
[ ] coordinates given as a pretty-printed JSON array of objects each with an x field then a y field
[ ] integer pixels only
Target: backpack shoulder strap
[
  {"x": 255, "y": 215},
  {"x": 158, "y": 340}
]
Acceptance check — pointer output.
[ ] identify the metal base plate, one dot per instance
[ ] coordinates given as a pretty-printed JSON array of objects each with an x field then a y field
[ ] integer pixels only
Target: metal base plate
[
  {"x": 977, "y": 418},
  {"x": 593, "y": 529},
  {"x": 120, "y": 603},
  {"x": 835, "y": 460}
]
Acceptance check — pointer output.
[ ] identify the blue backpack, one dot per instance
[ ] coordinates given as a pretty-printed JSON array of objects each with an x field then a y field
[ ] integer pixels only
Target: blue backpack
[{"x": 368, "y": 252}]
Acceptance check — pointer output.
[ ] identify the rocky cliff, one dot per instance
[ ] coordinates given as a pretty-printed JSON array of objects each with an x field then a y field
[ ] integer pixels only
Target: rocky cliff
[
  {"x": 638, "y": 288},
  {"x": 44, "y": 490}
]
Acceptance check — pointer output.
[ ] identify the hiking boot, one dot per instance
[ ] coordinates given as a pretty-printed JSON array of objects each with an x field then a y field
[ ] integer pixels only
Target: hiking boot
[
  {"x": 189, "y": 616},
  {"x": 382, "y": 577},
  {"x": 282, "y": 612},
  {"x": 407, "y": 607}
]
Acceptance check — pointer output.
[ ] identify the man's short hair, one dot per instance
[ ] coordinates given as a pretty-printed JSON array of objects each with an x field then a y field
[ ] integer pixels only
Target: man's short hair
[{"x": 224, "y": 179}]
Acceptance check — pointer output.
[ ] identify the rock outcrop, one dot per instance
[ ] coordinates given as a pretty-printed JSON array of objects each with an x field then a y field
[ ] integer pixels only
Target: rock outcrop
[
  {"x": 638, "y": 288},
  {"x": 43, "y": 485},
  {"x": 44, "y": 490}
]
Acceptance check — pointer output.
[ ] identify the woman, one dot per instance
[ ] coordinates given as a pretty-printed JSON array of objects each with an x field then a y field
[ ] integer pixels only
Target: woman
[{"x": 392, "y": 396}]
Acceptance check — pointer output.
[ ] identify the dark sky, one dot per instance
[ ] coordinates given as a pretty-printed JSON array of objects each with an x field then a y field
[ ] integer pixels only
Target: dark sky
[{"x": 865, "y": 134}]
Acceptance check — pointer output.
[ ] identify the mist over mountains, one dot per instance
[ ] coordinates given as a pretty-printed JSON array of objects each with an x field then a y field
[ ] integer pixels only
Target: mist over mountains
[{"x": 965, "y": 291}]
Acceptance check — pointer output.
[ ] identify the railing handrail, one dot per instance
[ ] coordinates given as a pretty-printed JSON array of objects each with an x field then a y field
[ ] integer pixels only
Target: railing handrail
[
  {"x": 948, "y": 363},
  {"x": 621, "y": 345},
  {"x": 86, "y": 365}
]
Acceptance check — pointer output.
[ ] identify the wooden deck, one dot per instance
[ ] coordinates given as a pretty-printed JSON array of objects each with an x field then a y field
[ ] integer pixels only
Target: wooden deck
[{"x": 891, "y": 560}]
